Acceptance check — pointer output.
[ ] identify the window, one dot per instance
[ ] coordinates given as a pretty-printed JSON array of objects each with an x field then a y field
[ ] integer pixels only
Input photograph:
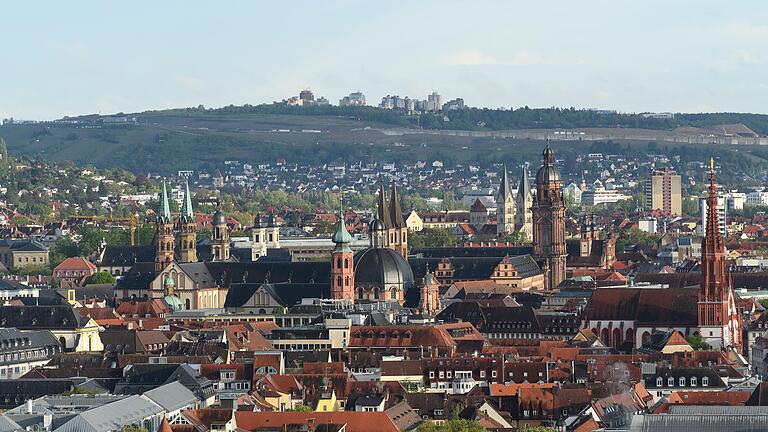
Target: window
[
  {"x": 493, "y": 374},
  {"x": 441, "y": 374},
  {"x": 670, "y": 382},
  {"x": 482, "y": 374},
  {"x": 431, "y": 374},
  {"x": 693, "y": 381},
  {"x": 681, "y": 381},
  {"x": 448, "y": 374},
  {"x": 705, "y": 382},
  {"x": 525, "y": 413},
  {"x": 659, "y": 382}
]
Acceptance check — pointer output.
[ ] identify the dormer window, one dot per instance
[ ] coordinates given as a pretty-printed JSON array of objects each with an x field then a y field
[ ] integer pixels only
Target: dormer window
[
  {"x": 705, "y": 382},
  {"x": 693, "y": 381},
  {"x": 681, "y": 381},
  {"x": 670, "y": 382}
]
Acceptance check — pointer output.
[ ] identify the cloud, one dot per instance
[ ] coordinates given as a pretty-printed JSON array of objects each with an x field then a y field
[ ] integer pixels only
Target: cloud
[
  {"x": 479, "y": 58},
  {"x": 747, "y": 57}
]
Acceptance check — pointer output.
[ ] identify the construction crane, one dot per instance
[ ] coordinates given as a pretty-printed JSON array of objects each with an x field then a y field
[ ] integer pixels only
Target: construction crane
[{"x": 132, "y": 220}]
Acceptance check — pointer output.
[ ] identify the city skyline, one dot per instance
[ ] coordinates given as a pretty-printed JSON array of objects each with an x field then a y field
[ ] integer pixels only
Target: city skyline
[{"x": 105, "y": 59}]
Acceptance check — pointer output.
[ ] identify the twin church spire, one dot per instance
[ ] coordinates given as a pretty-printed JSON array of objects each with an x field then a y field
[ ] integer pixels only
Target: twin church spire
[{"x": 165, "y": 237}]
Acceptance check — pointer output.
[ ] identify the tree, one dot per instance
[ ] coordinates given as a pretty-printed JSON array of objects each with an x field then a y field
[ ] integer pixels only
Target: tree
[
  {"x": 698, "y": 343},
  {"x": 764, "y": 302},
  {"x": 101, "y": 277},
  {"x": 515, "y": 237},
  {"x": 432, "y": 237}
]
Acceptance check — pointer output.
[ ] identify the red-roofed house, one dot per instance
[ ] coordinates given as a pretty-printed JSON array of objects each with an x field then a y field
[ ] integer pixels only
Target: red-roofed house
[{"x": 73, "y": 271}]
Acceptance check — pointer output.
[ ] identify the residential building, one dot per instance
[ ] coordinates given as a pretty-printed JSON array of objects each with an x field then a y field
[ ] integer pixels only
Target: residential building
[{"x": 663, "y": 192}]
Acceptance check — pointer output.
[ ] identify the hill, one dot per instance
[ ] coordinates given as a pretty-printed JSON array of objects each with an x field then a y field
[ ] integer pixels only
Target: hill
[{"x": 198, "y": 138}]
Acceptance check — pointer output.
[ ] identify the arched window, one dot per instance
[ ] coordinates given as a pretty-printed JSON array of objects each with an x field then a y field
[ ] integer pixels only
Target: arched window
[
  {"x": 187, "y": 304},
  {"x": 338, "y": 281},
  {"x": 346, "y": 281},
  {"x": 338, "y": 263},
  {"x": 346, "y": 262},
  {"x": 393, "y": 294}
]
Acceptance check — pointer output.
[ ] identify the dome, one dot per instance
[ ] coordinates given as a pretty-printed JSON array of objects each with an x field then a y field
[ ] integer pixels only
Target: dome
[
  {"x": 376, "y": 225},
  {"x": 174, "y": 302},
  {"x": 382, "y": 268},
  {"x": 169, "y": 282},
  {"x": 219, "y": 218},
  {"x": 547, "y": 173}
]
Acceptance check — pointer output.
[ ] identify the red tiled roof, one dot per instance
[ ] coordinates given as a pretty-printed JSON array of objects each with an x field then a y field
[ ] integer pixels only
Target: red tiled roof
[{"x": 75, "y": 263}]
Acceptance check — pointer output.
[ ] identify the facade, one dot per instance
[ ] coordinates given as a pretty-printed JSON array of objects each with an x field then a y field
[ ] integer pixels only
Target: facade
[
  {"x": 22, "y": 253},
  {"x": 264, "y": 237},
  {"x": 663, "y": 192},
  {"x": 22, "y": 351},
  {"x": 478, "y": 214},
  {"x": 549, "y": 222},
  {"x": 601, "y": 195},
  {"x": 722, "y": 214}
]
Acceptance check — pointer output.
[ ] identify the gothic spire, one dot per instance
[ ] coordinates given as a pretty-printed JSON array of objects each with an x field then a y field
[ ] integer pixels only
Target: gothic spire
[
  {"x": 395, "y": 212},
  {"x": 504, "y": 189},
  {"x": 164, "y": 215},
  {"x": 713, "y": 239},
  {"x": 383, "y": 209},
  {"x": 187, "y": 213},
  {"x": 524, "y": 189}
]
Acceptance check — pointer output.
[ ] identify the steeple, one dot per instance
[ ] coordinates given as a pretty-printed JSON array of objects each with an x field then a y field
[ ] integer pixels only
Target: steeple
[
  {"x": 395, "y": 211},
  {"x": 719, "y": 320},
  {"x": 342, "y": 238},
  {"x": 187, "y": 213},
  {"x": 504, "y": 189},
  {"x": 164, "y": 214},
  {"x": 383, "y": 209},
  {"x": 524, "y": 189}
]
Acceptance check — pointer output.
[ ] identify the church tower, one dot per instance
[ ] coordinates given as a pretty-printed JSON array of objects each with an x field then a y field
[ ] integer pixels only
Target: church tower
[
  {"x": 342, "y": 264},
  {"x": 505, "y": 207},
  {"x": 523, "y": 216},
  {"x": 164, "y": 241},
  {"x": 719, "y": 320},
  {"x": 220, "y": 237},
  {"x": 187, "y": 229},
  {"x": 549, "y": 221},
  {"x": 258, "y": 239},
  {"x": 429, "y": 301},
  {"x": 399, "y": 230}
]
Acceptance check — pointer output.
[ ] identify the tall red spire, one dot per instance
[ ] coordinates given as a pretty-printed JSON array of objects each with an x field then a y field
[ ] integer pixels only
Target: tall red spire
[{"x": 718, "y": 319}]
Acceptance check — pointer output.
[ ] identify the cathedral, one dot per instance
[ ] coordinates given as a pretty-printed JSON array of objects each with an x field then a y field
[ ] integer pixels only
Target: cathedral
[
  {"x": 549, "y": 222},
  {"x": 513, "y": 211}
]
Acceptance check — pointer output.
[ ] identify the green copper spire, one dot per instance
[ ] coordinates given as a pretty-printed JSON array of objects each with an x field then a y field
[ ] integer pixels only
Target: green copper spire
[
  {"x": 165, "y": 208},
  {"x": 342, "y": 238},
  {"x": 187, "y": 214}
]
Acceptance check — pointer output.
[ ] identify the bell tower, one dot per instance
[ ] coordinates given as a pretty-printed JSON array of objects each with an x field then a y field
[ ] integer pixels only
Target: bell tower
[
  {"x": 164, "y": 241},
  {"x": 342, "y": 264},
  {"x": 220, "y": 236},
  {"x": 549, "y": 221},
  {"x": 187, "y": 229}
]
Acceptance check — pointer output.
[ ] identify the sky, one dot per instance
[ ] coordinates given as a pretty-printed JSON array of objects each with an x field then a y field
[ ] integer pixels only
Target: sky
[{"x": 71, "y": 58}]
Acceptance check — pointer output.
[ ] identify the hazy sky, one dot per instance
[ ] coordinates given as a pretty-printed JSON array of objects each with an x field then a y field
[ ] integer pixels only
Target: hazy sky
[{"x": 66, "y": 58}]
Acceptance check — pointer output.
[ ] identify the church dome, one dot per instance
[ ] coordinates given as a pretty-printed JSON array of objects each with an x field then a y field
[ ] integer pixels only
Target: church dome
[
  {"x": 376, "y": 225},
  {"x": 548, "y": 172},
  {"x": 219, "y": 218},
  {"x": 382, "y": 268}
]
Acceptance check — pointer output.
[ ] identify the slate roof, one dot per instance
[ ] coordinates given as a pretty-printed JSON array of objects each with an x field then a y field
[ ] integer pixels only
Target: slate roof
[
  {"x": 126, "y": 255},
  {"x": 457, "y": 252},
  {"x": 41, "y": 317},
  {"x": 15, "y": 392},
  {"x": 23, "y": 245},
  {"x": 287, "y": 294}
]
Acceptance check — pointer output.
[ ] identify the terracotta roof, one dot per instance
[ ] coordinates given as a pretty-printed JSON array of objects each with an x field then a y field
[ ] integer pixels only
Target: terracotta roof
[
  {"x": 75, "y": 263},
  {"x": 668, "y": 306}
]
